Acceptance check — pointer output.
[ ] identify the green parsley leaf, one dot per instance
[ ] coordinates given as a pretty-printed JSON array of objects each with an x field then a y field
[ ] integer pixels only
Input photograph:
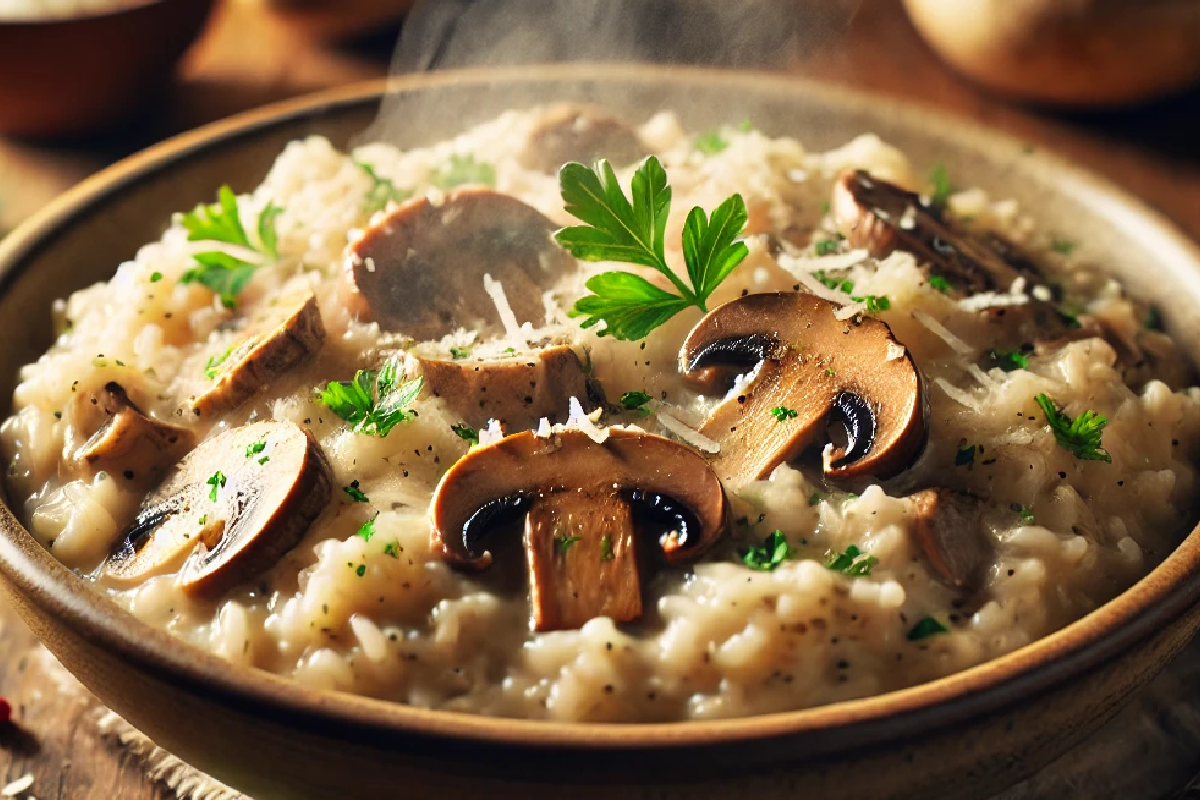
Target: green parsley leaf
[
  {"x": 1024, "y": 512},
  {"x": 466, "y": 433},
  {"x": 939, "y": 283},
  {"x": 361, "y": 570},
  {"x": 216, "y": 481},
  {"x": 382, "y": 191},
  {"x": 373, "y": 403},
  {"x": 203, "y": 520},
  {"x": 565, "y": 543},
  {"x": 924, "y": 629},
  {"x": 826, "y": 247},
  {"x": 1080, "y": 436},
  {"x": 1063, "y": 246},
  {"x": 221, "y": 272},
  {"x": 710, "y": 143},
  {"x": 606, "y": 550},
  {"x": 155, "y": 276},
  {"x": 218, "y": 222},
  {"x": 459, "y": 353},
  {"x": 254, "y": 448},
  {"x": 462, "y": 170},
  {"x": 829, "y": 373},
  {"x": 1009, "y": 360},
  {"x": 814, "y": 498},
  {"x": 1154, "y": 318},
  {"x": 635, "y": 401},
  {"x": 774, "y": 551},
  {"x": 939, "y": 178},
  {"x": 631, "y": 231},
  {"x": 783, "y": 413},
  {"x": 355, "y": 494},
  {"x": 1068, "y": 319},
  {"x": 745, "y": 125},
  {"x": 852, "y": 562},
  {"x": 392, "y": 548},
  {"x": 264, "y": 460},
  {"x": 965, "y": 455},
  {"x": 366, "y": 530},
  {"x": 840, "y": 284},
  {"x": 875, "y": 302},
  {"x": 214, "y": 362}
]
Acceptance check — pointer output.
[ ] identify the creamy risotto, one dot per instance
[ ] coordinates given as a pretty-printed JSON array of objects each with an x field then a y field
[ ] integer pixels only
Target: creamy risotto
[{"x": 348, "y": 427}]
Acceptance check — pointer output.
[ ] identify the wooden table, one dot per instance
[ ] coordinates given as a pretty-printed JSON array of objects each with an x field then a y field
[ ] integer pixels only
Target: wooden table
[{"x": 250, "y": 56}]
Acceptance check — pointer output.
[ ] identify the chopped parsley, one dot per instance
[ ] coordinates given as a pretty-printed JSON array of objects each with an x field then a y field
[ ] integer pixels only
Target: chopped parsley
[
  {"x": 222, "y": 272},
  {"x": 1080, "y": 436},
  {"x": 466, "y": 433},
  {"x": 782, "y": 413},
  {"x": 155, "y": 276},
  {"x": 852, "y": 562},
  {"x": 840, "y": 284},
  {"x": 1009, "y": 360},
  {"x": 382, "y": 191},
  {"x": 361, "y": 570},
  {"x": 814, "y": 498},
  {"x": 1024, "y": 512},
  {"x": 924, "y": 629},
  {"x": 826, "y": 247},
  {"x": 710, "y": 143},
  {"x": 829, "y": 373},
  {"x": 366, "y": 530},
  {"x": 1068, "y": 319},
  {"x": 392, "y": 548},
  {"x": 632, "y": 232},
  {"x": 635, "y": 401},
  {"x": 1153, "y": 319},
  {"x": 965, "y": 455},
  {"x": 939, "y": 179},
  {"x": 774, "y": 551},
  {"x": 355, "y": 494},
  {"x": 939, "y": 283},
  {"x": 1063, "y": 246},
  {"x": 462, "y": 170},
  {"x": 264, "y": 460},
  {"x": 565, "y": 543},
  {"x": 374, "y": 402},
  {"x": 216, "y": 481},
  {"x": 254, "y": 448},
  {"x": 203, "y": 520},
  {"x": 875, "y": 302},
  {"x": 606, "y": 548},
  {"x": 459, "y": 353}
]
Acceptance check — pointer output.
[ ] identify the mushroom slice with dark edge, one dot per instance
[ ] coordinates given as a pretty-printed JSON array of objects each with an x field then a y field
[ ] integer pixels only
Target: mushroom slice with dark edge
[
  {"x": 947, "y": 527},
  {"x": 267, "y": 499},
  {"x": 815, "y": 368},
  {"x": 418, "y": 270},
  {"x": 569, "y": 132},
  {"x": 588, "y": 509},
  {"x": 517, "y": 391},
  {"x": 123, "y": 440},
  {"x": 288, "y": 332},
  {"x": 881, "y": 217}
]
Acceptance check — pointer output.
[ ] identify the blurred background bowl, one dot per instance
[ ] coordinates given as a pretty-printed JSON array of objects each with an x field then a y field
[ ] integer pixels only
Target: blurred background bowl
[
  {"x": 1067, "y": 52},
  {"x": 337, "y": 20},
  {"x": 63, "y": 76}
]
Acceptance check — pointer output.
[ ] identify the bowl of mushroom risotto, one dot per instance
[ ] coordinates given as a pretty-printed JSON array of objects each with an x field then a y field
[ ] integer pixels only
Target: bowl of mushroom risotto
[{"x": 664, "y": 430}]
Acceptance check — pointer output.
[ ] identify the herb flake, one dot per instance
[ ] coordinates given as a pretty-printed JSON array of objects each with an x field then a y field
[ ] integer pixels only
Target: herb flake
[
  {"x": 366, "y": 530},
  {"x": 373, "y": 402},
  {"x": 1080, "y": 436},
  {"x": 783, "y": 413},
  {"x": 1009, "y": 360},
  {"x": 217, "y": 481},
  {"x": 383, "y": 190},
  {"x": 773, "y": 552},
  {"x": 565, "y": 543},
  {"x": 462, "y": 170},
  {"x": 606, "y": 548},
  {"x": 355, "y": 494},
  {"x": 924, "y": 629},
  {"x": 466, "y": 433},
  {"x": 254, "y": 448},
  {"x": 965, "y": 455},
  {"x": 852, "y": 562}
]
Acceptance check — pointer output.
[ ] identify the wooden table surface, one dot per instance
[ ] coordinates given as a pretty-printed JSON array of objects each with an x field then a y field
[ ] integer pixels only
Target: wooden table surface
[{"x": 250, "y": 56}]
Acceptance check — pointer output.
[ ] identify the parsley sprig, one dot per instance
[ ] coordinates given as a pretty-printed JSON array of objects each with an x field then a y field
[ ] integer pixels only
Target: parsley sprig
[
  {"x": 1080, "y": 436},
  {"x": 373, "y": 402},
  {"x": 383, "y": 190},
  {"x": 631, "y": 230},
  {"x": 222, "y": 272},
  {"x": 774, "y": 551}
]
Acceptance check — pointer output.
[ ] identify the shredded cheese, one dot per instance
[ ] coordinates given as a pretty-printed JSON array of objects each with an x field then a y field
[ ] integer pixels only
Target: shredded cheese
[
  {"x": 512, "y": 328},
  {"x": 894, "y": 351},
  {"x": 1015, "y": 297},
  {"x": 543, "y": 429},
  {"x": 958, "y": 394},
  {"x": 577, "y": 420},
  {"x": 493, "y": 433},
  {"x": 852, "y": 310},
  {"x": 18, "y": 786},
  {"x": 799, "y": 265},
  {"x": 692, "y": 437},
  {"x": 819, "y": 289},
  {"x": 940, "y": 330}
]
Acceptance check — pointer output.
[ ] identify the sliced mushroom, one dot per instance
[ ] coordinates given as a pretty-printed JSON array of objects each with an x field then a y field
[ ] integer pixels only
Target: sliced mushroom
[
  {"x": 881, "y": 217},
  {"x": 287, "y": 334},
  {"x": 947, "y": 527},
  {"x": 516, "y": 391},
  {"x": 419, "y": 269},
  {"x": 569, "y": 486},
  {"x": 266, "y": 501},
  {"x": 569, "y": 132},
  {"x": 120, "y": 438},
  {"x": 815, "y": 368}
]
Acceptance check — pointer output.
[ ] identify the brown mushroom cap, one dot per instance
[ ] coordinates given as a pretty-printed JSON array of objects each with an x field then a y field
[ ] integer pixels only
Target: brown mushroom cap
[
  {"x": 268, "y": 500},
  {"x": 569, "y": 132},
  {"x": 517, "y": 391},
  {"x": 288, "y": 333},
  {"x": 818, "y": 366},
  {"x": 947, "y": 526},
  {"x": 123, "y": 440},
  {"x": 419, "y": 269}
]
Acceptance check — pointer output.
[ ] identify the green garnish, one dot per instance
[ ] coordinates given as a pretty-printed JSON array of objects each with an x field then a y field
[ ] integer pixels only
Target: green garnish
[
  {"x": 211, "y": 370},
  {"x": 203, "y": 520},
  {"x": 366, "y": 530},
  {"x": 361, "y": 570},
  {"x": 1154, "y": 318},
  {"x": 1063, "y": 246},
  {"x": 382, "y": 191},
  {"x": 1024, "y": 512},
  {"x": 392, "y": 548},
  {"x": 939, "y": 283},
  {"x": 1068, "y": 319},
  {"x": 635, "y": 401},
  {"x": 875, "y": 302},
  {"x": 826, "y": 247},
  {"x": 355, "y": 494},
  {"x": 840, "y": 284},
  {"x": 254, "y": 448},
  {"x": 508, "y": 351},
  {"x": 710, "y": 143},
  {"x": 1080, "y": 436},
  {"x": 745, "y": 126},
  {"x": 217, "y": 481},
  {"x": 264, "y": 460},
  {"x": 155, "y": 276},
  {"x": 461, "y": 170},
  {"x": 965, "y": 455},
  {"x": 631, "y": 232},
  {"x": 925, "y": 628},
  {"x": 373, "y": 403},
  {"x": 606, "y": 551},
  {"x": 466, "y": 433},
  {"x": 814, "y": 498},
  {"x": 782, "y": 413},
  {"x": 774, "y": 551},
  {"x": 942, "y": 187},
  {"x": 852, "y": 562},
  {"x": 221, "y": 272},
  {"x": 1009, "y": 360},
  {"x": 459, "y": 353},
  {"x": 565, "y": 543},
  {"x": 829, "y": 373}
]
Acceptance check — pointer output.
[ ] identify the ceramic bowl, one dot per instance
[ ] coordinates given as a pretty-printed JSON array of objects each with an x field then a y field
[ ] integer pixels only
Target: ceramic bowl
[
  {"x": 62, "y": 76},
  {"x": 961, "y": 736}
]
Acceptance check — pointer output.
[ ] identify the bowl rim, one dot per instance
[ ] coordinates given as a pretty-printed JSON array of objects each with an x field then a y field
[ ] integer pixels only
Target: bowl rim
[
  {"x": 126, "y": 7},
  {"x": 1159, "y": 598}
]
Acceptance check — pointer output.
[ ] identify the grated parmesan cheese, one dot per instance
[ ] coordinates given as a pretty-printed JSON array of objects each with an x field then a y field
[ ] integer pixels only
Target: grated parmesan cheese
[
  {"x": 798, "y": 265},
  {"x": 18, "y": 786},
  {"x": 852, "y": 310},
  {"x": 955, "y": 393},
  {"x": 543, "y": 429},
  {"x": 493, "y": 433},
  {"x": 512, "y": 328},
  {"x": 577, "y": 420},
  {"x": 693, "y": 437},
  {"x": 894, "y": 351},
  {"x": 942, "y": 332}
]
